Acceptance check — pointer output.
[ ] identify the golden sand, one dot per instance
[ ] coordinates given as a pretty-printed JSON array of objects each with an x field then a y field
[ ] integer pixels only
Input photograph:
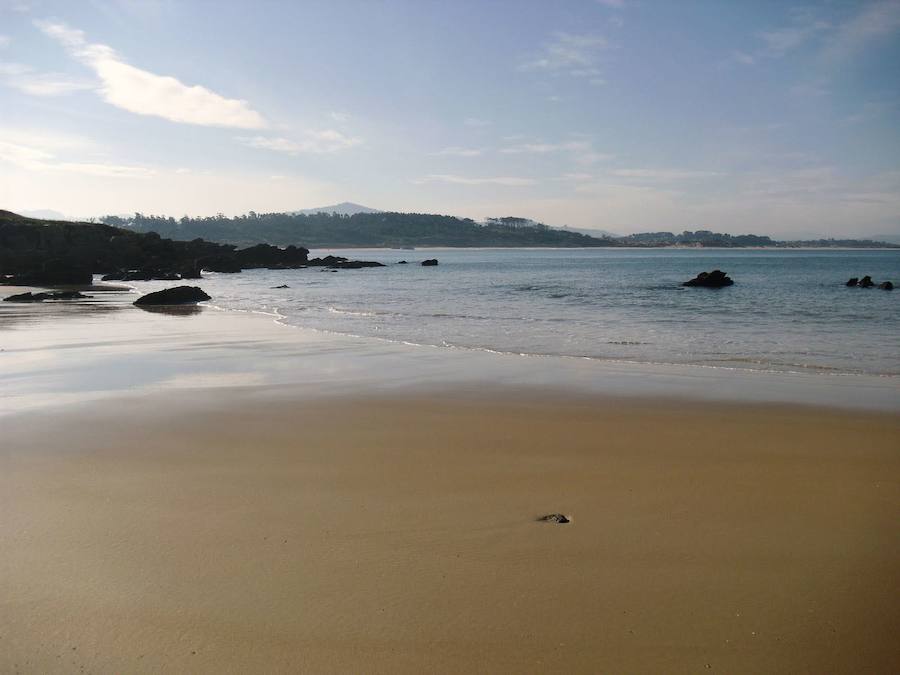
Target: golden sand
[{"x": 252, "y": 533}]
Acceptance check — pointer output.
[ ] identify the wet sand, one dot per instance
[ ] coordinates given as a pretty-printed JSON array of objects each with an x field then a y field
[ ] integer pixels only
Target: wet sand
[
  {"x": 177, "y": 497},
  {"x": 393, "y": 534}
]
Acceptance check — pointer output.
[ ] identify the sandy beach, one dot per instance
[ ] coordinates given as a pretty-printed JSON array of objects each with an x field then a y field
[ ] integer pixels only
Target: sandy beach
[{"x": 234, "y": 516}]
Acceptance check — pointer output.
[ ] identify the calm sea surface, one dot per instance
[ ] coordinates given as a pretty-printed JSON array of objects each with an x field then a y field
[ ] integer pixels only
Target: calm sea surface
[{"x": 788, "y": 310}]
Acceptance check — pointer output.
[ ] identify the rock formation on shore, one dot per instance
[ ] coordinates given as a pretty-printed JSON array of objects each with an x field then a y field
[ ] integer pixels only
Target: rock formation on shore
[
  {"x": 179, "y": 295},
  {"x": 59, "y": 253},
  {"x": 40, "y": 297}
]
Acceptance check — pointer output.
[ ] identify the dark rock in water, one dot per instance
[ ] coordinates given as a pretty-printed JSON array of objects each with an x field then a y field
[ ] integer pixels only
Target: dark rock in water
[
  {"x": 180, "y": 295},
  {"x": 328, "y": 260},
  {"x": 852, "y": 282},
  {"x": 886, "y": 286},
  {"x": 866, "y": 282},
  {"x": 40, "y": 297},
  {"x": 337, "y": 262},
  {"x": 429, "y": 263},
  {"x": 557, "y": 518},
  {"x": 282, "y": 286},
  {"x": 402, "y": 262},
  {"x": 355, "y": 264},
  {"x": 714, "y": 279}
]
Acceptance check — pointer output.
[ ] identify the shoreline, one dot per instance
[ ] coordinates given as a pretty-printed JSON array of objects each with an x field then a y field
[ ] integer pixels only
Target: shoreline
[{"x": 65, "y": 353}]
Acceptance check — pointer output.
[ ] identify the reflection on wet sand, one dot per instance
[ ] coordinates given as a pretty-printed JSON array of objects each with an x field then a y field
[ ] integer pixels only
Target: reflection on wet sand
[{"x": 172, "y": 310}]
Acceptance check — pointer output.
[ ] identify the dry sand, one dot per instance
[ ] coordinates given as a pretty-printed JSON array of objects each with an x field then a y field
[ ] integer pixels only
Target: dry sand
[{"x": 239, "y": 533}]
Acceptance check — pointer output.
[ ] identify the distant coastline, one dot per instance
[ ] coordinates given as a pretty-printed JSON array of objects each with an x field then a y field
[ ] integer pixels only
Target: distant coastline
[{"x": 377, "y": 229}]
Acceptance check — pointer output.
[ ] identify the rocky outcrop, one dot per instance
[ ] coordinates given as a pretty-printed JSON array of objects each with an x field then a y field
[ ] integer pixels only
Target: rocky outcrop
[
  {"x": 271, "y": 257},
  {"x": 40, "y": 297},
  {"x": 853, "y": 281},
  {"x": 55, "y": 272},
  {"x": 179, "y": 295},
  {"x": 141, "y": 275},
  {"x": 866, "y": 282},
  {"x": 557, "y": 518},
  {"x": 429, "y": 263},
  {"x": 714, "y": 279},
  {"x": 886, "y": 286}
]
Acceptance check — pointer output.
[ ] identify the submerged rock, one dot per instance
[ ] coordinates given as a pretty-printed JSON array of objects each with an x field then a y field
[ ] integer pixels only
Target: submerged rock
[
  {"x": 402, "y": 262},
  {"x": 40, "y": 297},
  {"x": 429, "y": 263},
  {"x": 180, "y": 295},
  {"x": 557, "y": 518},
  {"x": 886, "y": 286},
  {"x": 282, "y": 286},
  {"x": 714, "y": 279}
]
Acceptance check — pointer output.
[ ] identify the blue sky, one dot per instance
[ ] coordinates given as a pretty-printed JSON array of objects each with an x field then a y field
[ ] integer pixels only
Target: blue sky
[{"x": 625, "y": 115}]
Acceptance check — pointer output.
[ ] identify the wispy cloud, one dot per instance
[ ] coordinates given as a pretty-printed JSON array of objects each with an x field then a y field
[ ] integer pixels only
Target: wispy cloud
[
  {"x": 4, "y": 41},
  {"x": 875, "y": 21},
  {"x": 663, "y": 174},
  {"x": 26, "y": 79},
  {"x": 574, "y": 54},
  {"x": 582, "y": 151},
  {"x": 508, "y": 181},
  {"x": 476, "y": 122},
  {"x": 313, "y": 142},
  {"x": 460, "y": 152},
  {"x": 341, "y": 117},
  {"x": 145, "y": 93},
  {"x": 778, "y": 42},
  {"x": 38, "y": 152}
]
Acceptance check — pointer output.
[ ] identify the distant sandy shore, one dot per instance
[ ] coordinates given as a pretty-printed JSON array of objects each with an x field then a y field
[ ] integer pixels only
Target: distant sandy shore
[{"x": 244, "y": 526}]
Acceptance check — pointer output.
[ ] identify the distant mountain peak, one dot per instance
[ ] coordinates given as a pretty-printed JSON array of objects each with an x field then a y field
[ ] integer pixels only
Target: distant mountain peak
[{"x": 344, "y": 209}]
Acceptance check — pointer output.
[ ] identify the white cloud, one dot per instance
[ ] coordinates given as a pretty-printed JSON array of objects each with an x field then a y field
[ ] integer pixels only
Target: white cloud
[
  {"x": 340, "y": 116},
  {"x": 26, "y": 79},
  {"x": 314, "y": 142},
  {"x": 576, "y": 55},
  {"x": 876, "y": 21},
  {"x": 508, "y": 181},
  {"x": 476, "y": 122},
  {"x": 5, "y": 40},
  {"x": 145, "y": 93},
  {"x": 460, "y": 152}
]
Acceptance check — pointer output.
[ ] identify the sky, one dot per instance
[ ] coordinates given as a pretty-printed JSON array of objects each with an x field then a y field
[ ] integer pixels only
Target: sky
[{"x": 622, "y": 115}]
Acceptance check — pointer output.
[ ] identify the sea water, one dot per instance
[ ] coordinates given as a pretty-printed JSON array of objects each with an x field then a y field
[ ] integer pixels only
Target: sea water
[{"x": 789, "y": 310}]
